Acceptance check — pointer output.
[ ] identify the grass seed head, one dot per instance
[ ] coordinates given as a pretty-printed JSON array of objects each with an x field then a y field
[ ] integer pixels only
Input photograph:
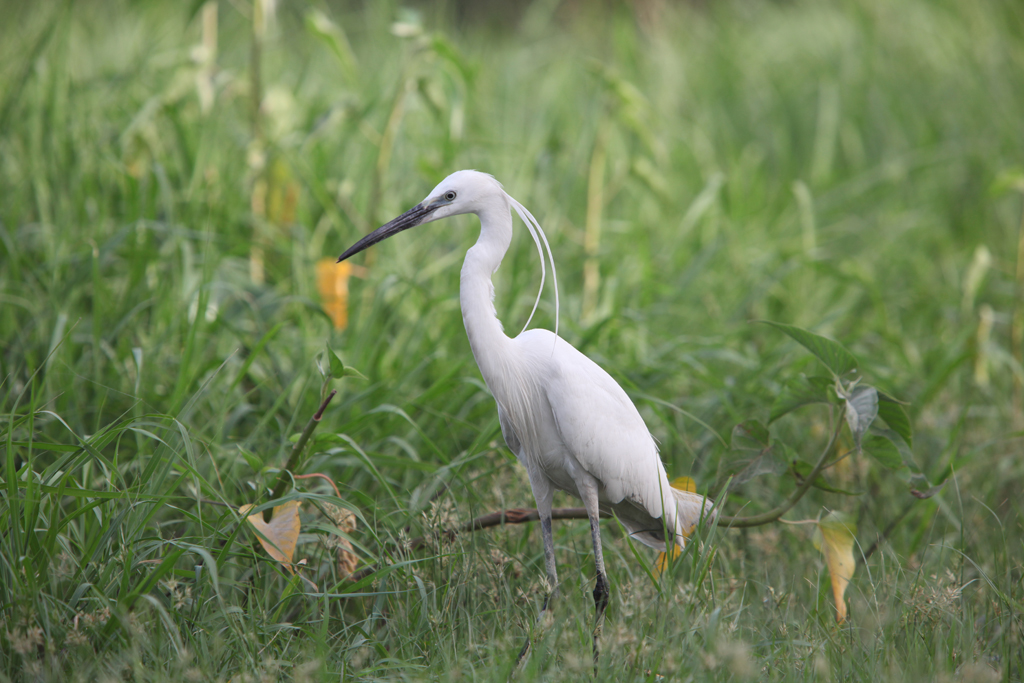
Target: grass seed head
[{"x": 26, "y": 642}]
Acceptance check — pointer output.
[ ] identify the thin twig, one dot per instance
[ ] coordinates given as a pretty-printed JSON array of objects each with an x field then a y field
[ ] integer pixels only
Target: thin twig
[
  {"x": 523, "y": 515},
  {"x": 773, "y": 515},
  {"x": 293, "y": 459},
  {"x": 510, "y": 516},
  {"x": 885, "y": 534}
]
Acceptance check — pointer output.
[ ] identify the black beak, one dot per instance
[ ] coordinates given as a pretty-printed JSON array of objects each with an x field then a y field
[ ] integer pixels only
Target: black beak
[{"x": 409, "y": 219}]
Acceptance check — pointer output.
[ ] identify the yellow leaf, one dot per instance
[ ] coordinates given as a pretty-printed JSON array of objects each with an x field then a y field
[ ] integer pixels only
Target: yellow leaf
[
  {"x": 278, "y": 536},
  {"x": 684, "y": 484},
  {"x": 834, "y": 536},
  {"x": 680, "y": 484},
  {"x": 332, "y": 283},
  {"x": 662, "y": 563}
]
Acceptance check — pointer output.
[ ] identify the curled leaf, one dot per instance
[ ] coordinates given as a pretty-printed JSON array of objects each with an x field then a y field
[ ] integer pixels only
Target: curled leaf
[
  {"x": 861, "y": 410},
  {"x": 680, "y": 484},
  {"x": 280, "y": 535},
  {"x": 834, "y": 536}
]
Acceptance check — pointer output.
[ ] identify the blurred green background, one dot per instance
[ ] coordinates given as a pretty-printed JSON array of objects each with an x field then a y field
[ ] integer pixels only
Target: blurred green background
[{"x": 171, "y": 174}]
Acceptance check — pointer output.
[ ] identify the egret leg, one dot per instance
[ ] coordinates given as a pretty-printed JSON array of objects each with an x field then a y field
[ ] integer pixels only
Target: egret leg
[
  {"x": 542, "y": 491},
  {"x": 601, "y": 588}
]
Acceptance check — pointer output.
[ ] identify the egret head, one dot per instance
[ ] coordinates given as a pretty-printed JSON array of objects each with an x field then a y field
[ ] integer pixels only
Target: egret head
[{"x": 461, "y": 192}]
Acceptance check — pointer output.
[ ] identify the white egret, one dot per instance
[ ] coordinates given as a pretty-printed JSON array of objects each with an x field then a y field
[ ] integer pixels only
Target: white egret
[{"x": 569, "y": 423}]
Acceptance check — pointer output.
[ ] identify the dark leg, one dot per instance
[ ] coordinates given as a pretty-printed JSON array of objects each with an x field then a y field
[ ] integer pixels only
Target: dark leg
[
  {"x": 543, "y": 496},
  {"x": 601, "y": 588},
  {"x": 588, "y": 492}
]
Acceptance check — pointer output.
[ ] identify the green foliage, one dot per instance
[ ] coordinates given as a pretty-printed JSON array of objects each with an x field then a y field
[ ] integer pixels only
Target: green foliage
[
  {"x": 836, "y": 358},
  {"x": 849, "y": 168}
]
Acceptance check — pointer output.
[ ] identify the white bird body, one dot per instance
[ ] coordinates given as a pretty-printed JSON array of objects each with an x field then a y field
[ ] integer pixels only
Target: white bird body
[
  {"x": 564, "y": 417},
  {"x": 569, "y": 423},
  {"x": 574, "y": 426}
]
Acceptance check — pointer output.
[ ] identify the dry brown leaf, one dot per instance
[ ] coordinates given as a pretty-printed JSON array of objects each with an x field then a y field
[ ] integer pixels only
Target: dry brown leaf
[
  {"x": 834, "y": 536},
  {"x": 278, "y": 536},
  {"x": 346, "y": 522},
  {"x": 332, "y": 283}
]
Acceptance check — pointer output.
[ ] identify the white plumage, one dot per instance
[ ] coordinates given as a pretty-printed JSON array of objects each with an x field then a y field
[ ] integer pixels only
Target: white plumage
[{"x": 569, "y": 423}]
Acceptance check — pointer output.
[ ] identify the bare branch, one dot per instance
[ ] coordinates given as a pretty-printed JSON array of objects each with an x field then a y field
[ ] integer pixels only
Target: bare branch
[
  {"x": 805, "y": 485},
  {"x": 502, "y": 517},
  {"x": 293, "y": 459}
]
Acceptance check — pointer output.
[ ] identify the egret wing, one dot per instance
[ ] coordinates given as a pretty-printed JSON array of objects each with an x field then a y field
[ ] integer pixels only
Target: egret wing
[
  {"x": 509, "y": 432},
  {"x": 602, "y": 429}
]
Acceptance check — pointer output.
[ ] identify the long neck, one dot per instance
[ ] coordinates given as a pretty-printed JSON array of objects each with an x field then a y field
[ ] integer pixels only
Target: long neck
[{"x": 476, "y": 292}]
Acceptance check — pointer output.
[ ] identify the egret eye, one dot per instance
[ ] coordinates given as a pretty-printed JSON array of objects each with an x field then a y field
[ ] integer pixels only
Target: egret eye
[{"x": 450, "y": 195}]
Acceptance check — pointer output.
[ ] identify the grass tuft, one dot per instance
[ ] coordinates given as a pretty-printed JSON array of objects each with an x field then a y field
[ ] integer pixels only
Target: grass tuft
[{"x": 846, "y": 168}]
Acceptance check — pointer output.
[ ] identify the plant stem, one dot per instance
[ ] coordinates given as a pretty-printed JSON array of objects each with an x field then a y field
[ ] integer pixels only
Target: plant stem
[
  {"x": 523, "y": 515},
  {"x": 293, "y": 459},
  {"x": 510, "y": 516},
  {"x": 885, "y": 534},
  {"x": 772, "y": 515}
]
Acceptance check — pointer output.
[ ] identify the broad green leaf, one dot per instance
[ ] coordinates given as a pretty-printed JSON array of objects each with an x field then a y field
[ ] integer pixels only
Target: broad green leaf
[
  {"x": 833, "y": 354},
  {"x": 750, "y": 435},
  {"x": 904, "y": 450},
  {"x": 255, "y": 464},
  {"x": 861, "y": 410},
  {"x": 883, "y": 450},
  {"x": 352, "y": 372},
  {"x": 800, "y": 391},
  {"x": 337, "y": 367},
  {"x": 895, "y": 416}
]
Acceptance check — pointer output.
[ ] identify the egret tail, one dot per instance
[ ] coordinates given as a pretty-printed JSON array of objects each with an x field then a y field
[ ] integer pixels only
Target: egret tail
[{"x": 691, "y": 508}]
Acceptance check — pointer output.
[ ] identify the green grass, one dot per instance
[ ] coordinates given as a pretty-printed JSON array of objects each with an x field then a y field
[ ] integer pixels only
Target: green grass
[{"x": 847, "y": 167}]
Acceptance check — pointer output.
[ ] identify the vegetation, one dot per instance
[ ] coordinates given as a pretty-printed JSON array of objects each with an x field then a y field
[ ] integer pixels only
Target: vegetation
[{"x": 171, "y": 174}]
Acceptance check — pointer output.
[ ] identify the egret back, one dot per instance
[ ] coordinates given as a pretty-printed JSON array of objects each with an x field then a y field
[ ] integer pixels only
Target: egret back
[{"x": 574, "y": 415}]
